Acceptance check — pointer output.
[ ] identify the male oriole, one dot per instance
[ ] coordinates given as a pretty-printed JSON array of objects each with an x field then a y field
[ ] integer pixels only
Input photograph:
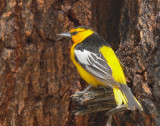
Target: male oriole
[{"x": 98, "y": 65}]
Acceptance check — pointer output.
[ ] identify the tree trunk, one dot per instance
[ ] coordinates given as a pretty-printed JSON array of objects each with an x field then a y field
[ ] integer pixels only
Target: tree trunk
[{"x": 37, "y": 76}]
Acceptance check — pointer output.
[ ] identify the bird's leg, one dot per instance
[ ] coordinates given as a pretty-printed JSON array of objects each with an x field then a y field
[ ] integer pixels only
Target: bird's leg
[
  {"x": 104, "y": 88},
  {"x": 85, "y": 90}
]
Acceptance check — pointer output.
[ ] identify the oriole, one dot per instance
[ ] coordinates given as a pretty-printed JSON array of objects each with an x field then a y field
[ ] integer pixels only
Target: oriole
[{"x": 98, "y": 65}]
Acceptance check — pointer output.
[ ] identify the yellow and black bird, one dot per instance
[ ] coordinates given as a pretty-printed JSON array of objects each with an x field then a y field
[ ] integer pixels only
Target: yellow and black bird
[{"x": 98, "y": 65}]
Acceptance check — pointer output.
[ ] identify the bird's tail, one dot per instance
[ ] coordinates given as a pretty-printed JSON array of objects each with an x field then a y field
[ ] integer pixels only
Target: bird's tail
[{"x": 124, "y": 94}]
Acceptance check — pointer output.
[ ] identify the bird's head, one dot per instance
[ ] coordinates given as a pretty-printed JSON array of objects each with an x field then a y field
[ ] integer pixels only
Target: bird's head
[{"x": 78, "y": 34}]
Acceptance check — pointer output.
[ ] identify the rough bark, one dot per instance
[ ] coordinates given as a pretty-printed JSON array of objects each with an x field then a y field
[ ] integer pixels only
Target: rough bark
[{"x": 37, "y": 77}]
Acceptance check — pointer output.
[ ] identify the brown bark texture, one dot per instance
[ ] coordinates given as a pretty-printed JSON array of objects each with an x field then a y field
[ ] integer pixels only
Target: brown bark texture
[{"x": 37, "y": 76}]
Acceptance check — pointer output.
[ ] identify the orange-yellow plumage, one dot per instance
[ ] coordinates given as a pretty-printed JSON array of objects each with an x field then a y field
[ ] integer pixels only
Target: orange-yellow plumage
[
  {"x": 84, "y": 74},
  {"x": 81, "y": 35},
  {"x": 100, "y": 70}
]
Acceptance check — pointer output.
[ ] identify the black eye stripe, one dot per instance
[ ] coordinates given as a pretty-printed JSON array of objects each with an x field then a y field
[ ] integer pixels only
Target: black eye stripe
[{"x": 74, "y": 33}]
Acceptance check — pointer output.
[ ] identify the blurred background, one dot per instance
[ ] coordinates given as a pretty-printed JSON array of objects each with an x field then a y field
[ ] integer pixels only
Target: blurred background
[{"x": 37, "y": 76}]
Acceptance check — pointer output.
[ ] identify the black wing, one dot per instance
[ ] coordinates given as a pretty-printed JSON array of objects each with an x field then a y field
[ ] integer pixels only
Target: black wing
[{"x": 95, "y": 64}]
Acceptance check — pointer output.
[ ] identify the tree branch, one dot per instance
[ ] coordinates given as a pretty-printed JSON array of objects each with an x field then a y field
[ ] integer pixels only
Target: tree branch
[{"x": 95, "y": 100}]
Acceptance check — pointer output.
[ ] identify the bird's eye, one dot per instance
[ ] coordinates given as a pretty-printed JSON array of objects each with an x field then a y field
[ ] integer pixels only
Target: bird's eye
[{"x": 74, "y": 33}]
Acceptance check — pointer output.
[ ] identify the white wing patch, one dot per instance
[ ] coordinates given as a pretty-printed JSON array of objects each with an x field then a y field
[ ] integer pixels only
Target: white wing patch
[
  {"x": 91, "y": 59},
  {"x": 96, "y": 65},
  {"x": 83, "y": 57}
]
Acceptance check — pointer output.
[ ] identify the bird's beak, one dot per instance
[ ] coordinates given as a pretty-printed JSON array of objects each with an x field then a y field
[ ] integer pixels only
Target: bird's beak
[{"x": 65, "y": 34}]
